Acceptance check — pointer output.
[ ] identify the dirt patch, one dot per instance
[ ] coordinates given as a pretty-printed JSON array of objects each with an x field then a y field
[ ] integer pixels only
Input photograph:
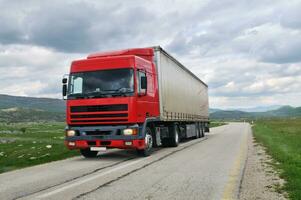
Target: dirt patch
[
  {"x": 7, "y": 140},
  {"x": 260, "y": 180}
]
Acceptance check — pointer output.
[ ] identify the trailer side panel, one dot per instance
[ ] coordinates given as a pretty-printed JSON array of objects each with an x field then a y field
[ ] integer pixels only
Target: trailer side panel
[{"x": 183, "y": 97}]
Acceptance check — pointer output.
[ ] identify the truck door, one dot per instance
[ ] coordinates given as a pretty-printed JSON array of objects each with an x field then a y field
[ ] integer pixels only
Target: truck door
[{"x": 142, "y": 99}]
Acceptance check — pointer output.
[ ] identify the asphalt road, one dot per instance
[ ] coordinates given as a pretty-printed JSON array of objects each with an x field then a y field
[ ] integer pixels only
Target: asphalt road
[{"x": 206, "y": 168}]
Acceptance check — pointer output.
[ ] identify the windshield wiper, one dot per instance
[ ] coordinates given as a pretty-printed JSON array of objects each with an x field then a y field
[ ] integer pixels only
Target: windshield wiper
[
  {"x": 117, "y": 92},
  {"x": 122, "y": 92},
  {"x": 95, "y": 94},
  {"x": 103, "y": 93},
  {"x": 77, "y": 95},
  {"x": 86, "y": 95}
]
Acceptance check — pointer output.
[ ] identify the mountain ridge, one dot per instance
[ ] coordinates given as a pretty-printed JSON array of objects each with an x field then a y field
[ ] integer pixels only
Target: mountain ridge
[
  {"x": 46, "y": 104},
  {"x": 284, "y": 111},
  {"x": 18, "y": 108}
]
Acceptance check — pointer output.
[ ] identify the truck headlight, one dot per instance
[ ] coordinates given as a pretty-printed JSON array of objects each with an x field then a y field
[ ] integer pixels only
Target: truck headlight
[
  {"x": 70, "y": 133},
  {"x": 130, "y": 131}
]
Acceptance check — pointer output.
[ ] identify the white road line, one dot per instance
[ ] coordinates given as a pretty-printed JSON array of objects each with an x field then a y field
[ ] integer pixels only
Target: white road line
[{"x": 79, "y": 182}]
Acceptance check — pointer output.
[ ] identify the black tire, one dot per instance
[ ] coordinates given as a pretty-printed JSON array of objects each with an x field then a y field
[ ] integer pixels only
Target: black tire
[
  {"x": 206, "y": 128},
  {"x": 149, "y": 141},
  {"x": 202, "y": 129},
  {"x": 165, "y": 142},
  {"x": 198, "y": 134},
  {"x": 153, "y": 130},
  {"x": 174, "y": 139},
  {"x": 87, "y": 153}
]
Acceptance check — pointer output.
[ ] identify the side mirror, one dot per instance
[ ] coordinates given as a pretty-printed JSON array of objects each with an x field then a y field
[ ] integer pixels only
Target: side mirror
[
  {"x": 65, "y": 80},
  {"x": 143, "y": 82},
  {"x": 64, "y": 89}
]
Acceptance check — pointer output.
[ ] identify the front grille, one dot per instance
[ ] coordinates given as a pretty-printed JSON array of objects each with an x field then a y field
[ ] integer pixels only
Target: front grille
[
  {"x": 99, "y": 115},
  {"x": 105, "y": 143},
  {"x": 91, "y": 143},
  {"x": 99, "y": 108}
]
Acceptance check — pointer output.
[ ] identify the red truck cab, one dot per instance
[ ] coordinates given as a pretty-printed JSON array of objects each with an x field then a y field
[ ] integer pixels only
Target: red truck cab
[{"x": 109, "y": 96}]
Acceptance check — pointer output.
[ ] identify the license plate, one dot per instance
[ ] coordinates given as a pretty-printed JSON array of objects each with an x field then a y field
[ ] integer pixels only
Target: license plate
[{"x": 98, "y": 148}]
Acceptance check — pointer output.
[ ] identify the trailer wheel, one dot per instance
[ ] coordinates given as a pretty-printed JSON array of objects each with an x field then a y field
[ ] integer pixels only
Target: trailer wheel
[
  {"x": 198, "y": 131},
  {"x": 165, "y": 142},
  {"x": 175, "y": 136},
  {"x": 202, "y": 131},
  {"x": 87, "y": 153},
  {"x": 198, "y": 135},
  {"x": 149, "y": 141}
]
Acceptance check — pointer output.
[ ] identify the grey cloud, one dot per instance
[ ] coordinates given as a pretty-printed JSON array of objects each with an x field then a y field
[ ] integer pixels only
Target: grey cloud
[
  {"x": 10, "y": 27},
  {"x": 270, "y": 43},
  {"x": 33, "y": 71},
  {"x": 290, "y": 16},
  {"x": 63, "y": 28},
  {"x": 267, "y": 31},
  {"x": 9, "y": 34},
  {"x": 283, "y": 53},
  {"x": 53, "y": 87},
  {"x": 76, "y": 26},
  {"x": 232, "y": 45}
]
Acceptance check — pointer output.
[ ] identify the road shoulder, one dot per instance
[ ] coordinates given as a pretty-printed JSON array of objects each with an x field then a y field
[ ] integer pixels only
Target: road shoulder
[{"x": 260, "y": 181}]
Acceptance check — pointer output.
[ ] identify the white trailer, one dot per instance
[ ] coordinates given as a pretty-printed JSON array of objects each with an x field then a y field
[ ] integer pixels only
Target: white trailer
[{"x": 182, "y": 95}]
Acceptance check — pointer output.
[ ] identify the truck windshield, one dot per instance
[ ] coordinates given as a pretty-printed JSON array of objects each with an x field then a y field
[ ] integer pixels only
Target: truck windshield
[{"x": 103, "y": 83}]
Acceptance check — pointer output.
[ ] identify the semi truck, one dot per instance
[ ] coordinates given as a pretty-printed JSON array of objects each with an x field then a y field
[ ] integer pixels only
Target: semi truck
[{"x": 136, "y": 98}]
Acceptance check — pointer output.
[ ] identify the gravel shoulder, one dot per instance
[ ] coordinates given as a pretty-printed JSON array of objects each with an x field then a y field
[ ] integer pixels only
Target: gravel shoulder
[{"x": 260, "y": 180}]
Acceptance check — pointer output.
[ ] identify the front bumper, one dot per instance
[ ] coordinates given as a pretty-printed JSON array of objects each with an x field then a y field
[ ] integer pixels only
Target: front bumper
[
  {"x": 105, "y": 136},
  {"x": 120, "y": 144}
]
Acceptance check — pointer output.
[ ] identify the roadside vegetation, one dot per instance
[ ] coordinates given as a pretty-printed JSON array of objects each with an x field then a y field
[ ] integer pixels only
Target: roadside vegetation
[
  {"x": 217, "y": 123},
  {"x": 28, "y": 144},
  {"x": 282, "y": 139}
]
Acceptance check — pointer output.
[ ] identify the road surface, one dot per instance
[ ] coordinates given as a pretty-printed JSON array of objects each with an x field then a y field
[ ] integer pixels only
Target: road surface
[{"x": 206, "y": 168}]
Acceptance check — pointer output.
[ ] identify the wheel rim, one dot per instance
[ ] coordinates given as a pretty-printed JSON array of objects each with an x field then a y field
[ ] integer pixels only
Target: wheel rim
[
  {"x": 177, "y": 137},
  {"x": 148, "y": 141}
]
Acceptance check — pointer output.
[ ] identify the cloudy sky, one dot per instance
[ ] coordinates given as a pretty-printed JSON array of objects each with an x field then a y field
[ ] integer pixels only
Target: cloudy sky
[{"x": 248, "y": 52}]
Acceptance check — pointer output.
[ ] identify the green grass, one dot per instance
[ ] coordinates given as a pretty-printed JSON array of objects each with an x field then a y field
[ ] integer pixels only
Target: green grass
[
  {"x": 282, "y": 139},
  {"x": 216, "y": 123},
  {"x": 28, "y": 144}
]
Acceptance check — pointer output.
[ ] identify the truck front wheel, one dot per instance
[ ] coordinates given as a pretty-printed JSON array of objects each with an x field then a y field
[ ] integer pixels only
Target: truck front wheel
[
  {"x": 149, "y": 141},
  {"x": 87, "y": 153}
]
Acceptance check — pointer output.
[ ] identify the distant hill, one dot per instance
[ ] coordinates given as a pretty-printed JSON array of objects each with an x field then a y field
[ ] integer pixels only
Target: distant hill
[
  {"x": 251, "y": 109},
  {"x": 259, "y": 108},
  {"x": 229, "y": 114},
  {"x": 45, "y": 104},
  {"x": 30, "y": 109},
  {"x": 284, "y": 111},
  {"x": 21, "y": 109},
  {"x": 212, "y": 110},
  {"x": 30, "y": 115}
]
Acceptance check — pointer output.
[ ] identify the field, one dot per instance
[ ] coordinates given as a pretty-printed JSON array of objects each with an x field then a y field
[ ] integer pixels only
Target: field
[
  {"x": 28, "y": 144},
  {"x": 282, "y": 139},
  {"x": 216, "y": 123}
]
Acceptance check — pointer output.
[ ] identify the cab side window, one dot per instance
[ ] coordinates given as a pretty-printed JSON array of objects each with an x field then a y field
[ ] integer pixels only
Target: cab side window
[{"x": 141, "y": 87}]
